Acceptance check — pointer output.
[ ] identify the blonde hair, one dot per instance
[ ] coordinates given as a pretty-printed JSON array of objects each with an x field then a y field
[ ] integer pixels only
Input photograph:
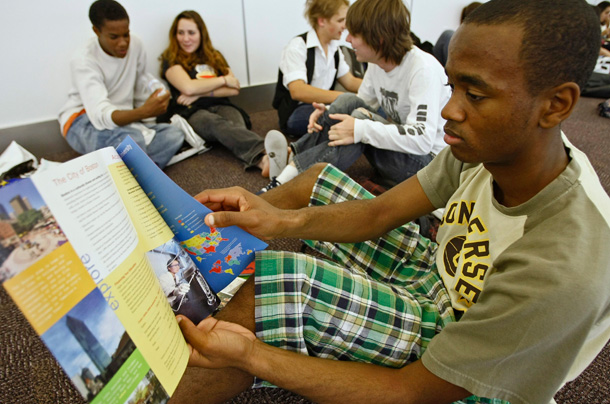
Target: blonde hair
[
  {"x": 315, "y": 9},
  {"x": 205, "y": 53}
]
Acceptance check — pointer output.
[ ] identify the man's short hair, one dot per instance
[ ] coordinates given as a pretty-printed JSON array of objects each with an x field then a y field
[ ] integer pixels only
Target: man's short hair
[
  {"x": 315, "y": 9},
  {"x": 602, "y": 5},
  {"x": 384, "y": 25},
  {"x": 468, "y": 9},
  {"x": 598, "y": 13},
  {"x": 561, "y": 38},
  {"x": 102, "y": 10}
]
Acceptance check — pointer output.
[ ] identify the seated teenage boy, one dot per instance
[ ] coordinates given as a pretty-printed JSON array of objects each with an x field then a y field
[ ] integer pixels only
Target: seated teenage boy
[
  {"x": 302, "y": 81},
  {"x": 110, "y": 96},
  {"x": 408, "y": 84},
  {"x": 511, "y": 303}
]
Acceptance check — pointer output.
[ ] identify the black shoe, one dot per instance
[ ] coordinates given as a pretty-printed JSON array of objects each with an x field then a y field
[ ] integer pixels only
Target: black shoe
[{"x": 272, "y": 184}]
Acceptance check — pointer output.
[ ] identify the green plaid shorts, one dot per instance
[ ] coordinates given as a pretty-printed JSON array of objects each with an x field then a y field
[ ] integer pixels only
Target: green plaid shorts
[{"x": 379, "y": 301}]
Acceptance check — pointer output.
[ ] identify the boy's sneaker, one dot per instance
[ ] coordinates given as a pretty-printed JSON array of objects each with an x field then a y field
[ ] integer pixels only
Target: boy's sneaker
[
  {"x": 276, "y": 147},
  {"x": 274, "y": 183}
]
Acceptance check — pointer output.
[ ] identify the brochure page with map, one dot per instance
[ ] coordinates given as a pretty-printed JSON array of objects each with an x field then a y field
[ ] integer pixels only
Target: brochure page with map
[{"x": 100, "y": 253}]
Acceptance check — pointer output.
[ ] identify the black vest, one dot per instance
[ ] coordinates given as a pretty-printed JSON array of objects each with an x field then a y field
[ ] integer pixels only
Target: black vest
[{"x": 282, "y": 101}]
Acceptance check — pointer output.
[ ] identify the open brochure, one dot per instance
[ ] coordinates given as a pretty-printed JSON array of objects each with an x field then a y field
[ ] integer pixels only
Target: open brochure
[{"x": 100, "y": 253}]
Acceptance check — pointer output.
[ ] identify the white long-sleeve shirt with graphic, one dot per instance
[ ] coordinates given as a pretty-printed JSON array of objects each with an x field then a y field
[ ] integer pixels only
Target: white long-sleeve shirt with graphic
[
  {"x": 102, "y": 84},
  {"x": 412, "y": 96}
]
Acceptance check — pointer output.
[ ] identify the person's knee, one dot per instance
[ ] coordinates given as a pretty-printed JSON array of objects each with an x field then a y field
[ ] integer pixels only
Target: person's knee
[
  {"x": 232, "y": 115},
  {"x": 137, "y": 137},
  {"x": 114, "y": 137},
  {"x": 203, "y": 117},
  {"x": 345, "y": 104},
  {"x": 316, "y": 169},
  {"x": 361, "y": 113},
  {"x": 172, "y": 134}
]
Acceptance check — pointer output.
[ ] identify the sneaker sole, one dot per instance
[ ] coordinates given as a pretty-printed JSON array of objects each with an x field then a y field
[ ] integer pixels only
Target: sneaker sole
[{"x": 276, "y": 147}]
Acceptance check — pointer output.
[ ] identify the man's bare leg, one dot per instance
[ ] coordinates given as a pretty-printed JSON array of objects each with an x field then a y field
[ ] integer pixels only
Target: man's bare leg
[
  {"x": 200, "y": 385},
  {"x": 295, "y": 194},
  {"x": 217, "y": 386}
]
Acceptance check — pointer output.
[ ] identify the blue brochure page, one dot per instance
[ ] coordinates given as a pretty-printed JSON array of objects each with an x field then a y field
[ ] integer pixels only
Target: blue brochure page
[{"x": 220, "y": 254}]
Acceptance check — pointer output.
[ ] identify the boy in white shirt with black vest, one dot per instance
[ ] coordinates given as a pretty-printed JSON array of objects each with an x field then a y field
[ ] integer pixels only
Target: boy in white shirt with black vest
[{"x": 310, "y": 66}]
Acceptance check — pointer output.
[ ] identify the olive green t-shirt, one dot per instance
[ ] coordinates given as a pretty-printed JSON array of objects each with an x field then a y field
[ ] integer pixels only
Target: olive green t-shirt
[{"x": 532, "y": 281}]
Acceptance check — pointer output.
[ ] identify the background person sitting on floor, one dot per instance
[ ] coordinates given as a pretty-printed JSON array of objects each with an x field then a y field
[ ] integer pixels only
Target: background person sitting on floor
[
  {"x": 110, "y": 93},
  {"x": 311, "y": 64},
  {"x": 604, "y": 17},
  {"x": 441, "y": 47},
  {"x": 522, "y": 261},
  {"x": 406, "y": 83},
  {"x": 603, "y": 11},
  {"x": 200, "y": 81}
]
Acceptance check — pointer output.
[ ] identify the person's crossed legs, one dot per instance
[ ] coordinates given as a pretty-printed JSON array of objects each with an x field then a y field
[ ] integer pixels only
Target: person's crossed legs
[
  {"x": 398, "y": 341},
  {"x": 85, "y": 138},
  {"x": 313, "y": 147}
]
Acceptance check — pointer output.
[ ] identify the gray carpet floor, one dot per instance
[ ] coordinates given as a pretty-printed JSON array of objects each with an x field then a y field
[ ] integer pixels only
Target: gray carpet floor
[{"x": 29, "y": 374}]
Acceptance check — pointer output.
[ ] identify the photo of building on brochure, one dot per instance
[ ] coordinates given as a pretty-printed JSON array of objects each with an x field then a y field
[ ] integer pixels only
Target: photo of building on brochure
[
  {"x": 186, "y": 290},
  {"x": 89, "y": 342},
  {"x": 28, "y": 230},
  {"x": 91, "y": 345}
]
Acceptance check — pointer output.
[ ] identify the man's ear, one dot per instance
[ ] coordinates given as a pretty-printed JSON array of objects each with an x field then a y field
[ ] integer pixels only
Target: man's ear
[
  {"x": 97, "y": 31},
  {"x": 321, "y": 21},
  {"x": 560, "y": 102}
]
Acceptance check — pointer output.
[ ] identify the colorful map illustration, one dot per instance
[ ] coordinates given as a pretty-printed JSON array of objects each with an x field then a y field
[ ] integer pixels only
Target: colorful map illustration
[{"x": 210, "y": 243}]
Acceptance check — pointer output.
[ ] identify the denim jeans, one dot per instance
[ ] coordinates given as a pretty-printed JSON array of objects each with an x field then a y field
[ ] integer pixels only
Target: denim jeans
[
  {"x": 298, "y": 120},
  {"x": 393, "y": 166},
  {"x": 85, "y": 138},
  {"x": 225, "y": 125}
]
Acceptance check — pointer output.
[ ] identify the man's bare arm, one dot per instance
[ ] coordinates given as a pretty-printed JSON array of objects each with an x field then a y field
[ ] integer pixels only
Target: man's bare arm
[
  {"x": 351, "y": 221},
  {"x": 303, "y": 92},
  {"x": 154, "y": 106},
  {"x": 350, "y": 82},
  {"x": 218, "y": 344}
]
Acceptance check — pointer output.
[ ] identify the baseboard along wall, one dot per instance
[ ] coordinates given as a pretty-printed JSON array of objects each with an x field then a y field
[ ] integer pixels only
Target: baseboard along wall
[{"x": 44, "y": 138}]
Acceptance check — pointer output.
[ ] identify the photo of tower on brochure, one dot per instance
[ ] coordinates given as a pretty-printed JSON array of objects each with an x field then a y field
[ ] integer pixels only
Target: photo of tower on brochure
[{"x": 90, "y": 344}]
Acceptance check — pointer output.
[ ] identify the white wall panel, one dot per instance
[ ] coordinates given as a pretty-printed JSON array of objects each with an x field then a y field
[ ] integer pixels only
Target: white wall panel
[
  {"x": 270, "y": 24},
  {"x": 430, "y": 18},
  {"x": 38, "y": 38}
]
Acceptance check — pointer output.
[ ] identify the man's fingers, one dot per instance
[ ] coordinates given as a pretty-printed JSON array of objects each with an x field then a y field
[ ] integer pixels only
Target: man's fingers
[
  {"x": 314, "y": 128},
  {"x": 190, "y": 332},
  {"x": 225, "y": 197},
  {"x": 215, "y": 206},
  {"x": 225, "y": 219},
  {"x": 338, "y": 117},
  {"x": 196, "y": 339},
  {"x": 164, "y": 97},
  {"x": 250, "y": 221}
]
